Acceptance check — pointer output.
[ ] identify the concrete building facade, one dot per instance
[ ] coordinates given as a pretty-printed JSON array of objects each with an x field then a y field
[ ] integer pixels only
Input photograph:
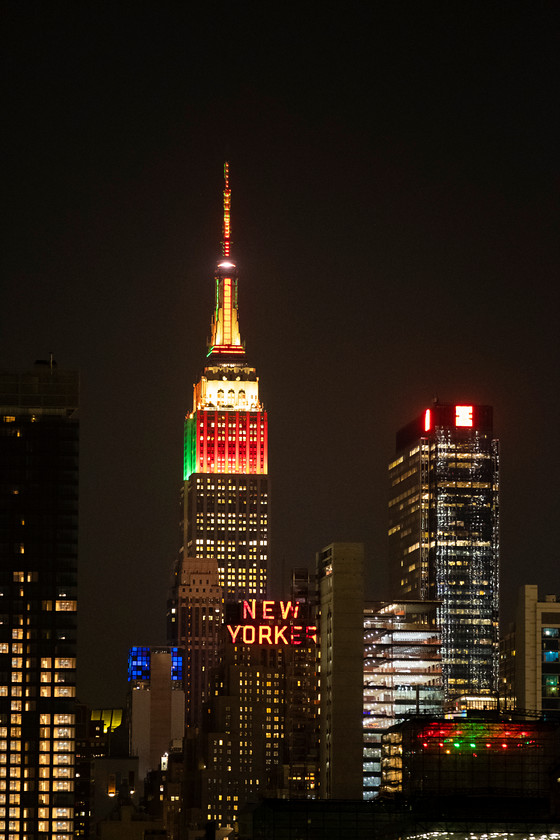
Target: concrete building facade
[
  {"x": 537, "y": 651},
  {"x": 340, "y": 580}
]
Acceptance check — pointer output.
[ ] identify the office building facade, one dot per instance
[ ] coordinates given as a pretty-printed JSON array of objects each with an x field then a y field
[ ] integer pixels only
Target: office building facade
[
  {"x": 535, "y": 657},
  {"x": 402, "y": 673},
  {"x": 38, "y": 570},
  {"x": 261, "y": 733},
  {"x": 225, "y": 488},
  {"x": 443, "y": 536}
]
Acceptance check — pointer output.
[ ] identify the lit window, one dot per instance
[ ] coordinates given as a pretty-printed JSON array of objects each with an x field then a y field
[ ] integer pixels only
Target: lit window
[{"x": 66, "y": 606}]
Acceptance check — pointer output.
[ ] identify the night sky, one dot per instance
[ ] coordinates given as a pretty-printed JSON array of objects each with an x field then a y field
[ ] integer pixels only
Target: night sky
[{"x": 395, "y": 223}]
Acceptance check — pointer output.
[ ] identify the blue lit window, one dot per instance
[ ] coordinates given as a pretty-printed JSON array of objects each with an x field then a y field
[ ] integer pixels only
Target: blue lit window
[
  {"x": 139, "y": 663},
  {"x": 551, "y": 632},
  {"x": 550, "y": 656},
  {"x": 176, "y": 664}
]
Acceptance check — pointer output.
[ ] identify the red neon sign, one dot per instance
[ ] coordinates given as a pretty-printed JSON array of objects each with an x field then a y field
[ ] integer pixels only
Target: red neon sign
[
  {"x": 278, "y": 629},
  {"x": 427, "y": 420},
  {"x": 463, "y": 415},
  {"x": 270, "y": 609},
  {"x": 267, "y": 634}
]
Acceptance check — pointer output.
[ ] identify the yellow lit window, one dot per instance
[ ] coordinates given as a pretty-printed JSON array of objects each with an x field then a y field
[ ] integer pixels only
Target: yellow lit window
[
  {"x": 65, "y": 691},
  {"x": 64, "y": 663}
]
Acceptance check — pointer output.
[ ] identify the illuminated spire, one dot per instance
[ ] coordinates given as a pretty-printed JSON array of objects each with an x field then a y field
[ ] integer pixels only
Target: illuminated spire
[
  {"x": 226, "y": 242},
  {"x": 225, "y": 338}
]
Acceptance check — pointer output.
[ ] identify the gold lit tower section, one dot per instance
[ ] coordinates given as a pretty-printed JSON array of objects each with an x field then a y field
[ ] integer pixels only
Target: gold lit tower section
[{"x": 225, "y": 494}]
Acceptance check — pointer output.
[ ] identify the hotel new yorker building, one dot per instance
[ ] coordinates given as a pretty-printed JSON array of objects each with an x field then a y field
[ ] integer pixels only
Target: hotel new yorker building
[
  {"x": 38, "y": 568},
  {"x": 225, "y": 490},
  {"x": 443, "y": 536}
]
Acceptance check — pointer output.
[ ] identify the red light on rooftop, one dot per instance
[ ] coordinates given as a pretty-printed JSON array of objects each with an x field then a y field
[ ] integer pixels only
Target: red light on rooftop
[
  {"x": 463, "y": 415},
  {"x": 427, "y": 420}
]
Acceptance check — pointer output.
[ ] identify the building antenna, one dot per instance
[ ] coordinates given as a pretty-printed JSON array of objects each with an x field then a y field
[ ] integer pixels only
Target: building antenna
[{"x": 226, "y": 241}]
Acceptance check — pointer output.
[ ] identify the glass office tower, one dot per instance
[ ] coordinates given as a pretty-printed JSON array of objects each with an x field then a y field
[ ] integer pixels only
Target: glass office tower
[{"x": 443, "y": 536}]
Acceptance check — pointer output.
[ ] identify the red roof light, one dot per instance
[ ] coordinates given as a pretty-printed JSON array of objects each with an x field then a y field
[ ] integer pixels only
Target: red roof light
[{"x": 463, "y": 415}]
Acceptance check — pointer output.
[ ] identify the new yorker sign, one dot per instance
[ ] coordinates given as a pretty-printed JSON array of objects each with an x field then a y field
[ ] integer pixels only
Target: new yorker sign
[{"x": 270, "y": 623}]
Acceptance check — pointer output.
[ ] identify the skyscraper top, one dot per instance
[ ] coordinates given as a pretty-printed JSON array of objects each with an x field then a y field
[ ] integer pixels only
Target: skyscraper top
[
  {"x": 446, "y": 416},
  {"x": 225, "y": 338}
]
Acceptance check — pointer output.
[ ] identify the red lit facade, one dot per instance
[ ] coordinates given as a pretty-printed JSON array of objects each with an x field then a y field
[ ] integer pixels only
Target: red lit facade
[{"x": 231, "y": 442}]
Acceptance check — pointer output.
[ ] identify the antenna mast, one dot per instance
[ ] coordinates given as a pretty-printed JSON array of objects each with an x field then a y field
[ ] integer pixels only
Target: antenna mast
[{"x": 226, "y": 242}]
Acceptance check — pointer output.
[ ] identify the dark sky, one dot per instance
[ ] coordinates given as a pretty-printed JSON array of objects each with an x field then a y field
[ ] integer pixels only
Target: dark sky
[{"x": 395, "y": 222}]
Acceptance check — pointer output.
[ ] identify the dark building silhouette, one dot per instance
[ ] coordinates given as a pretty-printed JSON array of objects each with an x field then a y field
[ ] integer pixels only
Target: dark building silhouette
[
  {"x": 340, "y": 583},
  {"x": 482, "y": 765},
  {"x": 38, "y": 568}
]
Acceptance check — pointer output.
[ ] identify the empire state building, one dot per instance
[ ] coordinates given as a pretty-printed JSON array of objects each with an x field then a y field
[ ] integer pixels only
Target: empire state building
[{"x": 225, "y": 478}]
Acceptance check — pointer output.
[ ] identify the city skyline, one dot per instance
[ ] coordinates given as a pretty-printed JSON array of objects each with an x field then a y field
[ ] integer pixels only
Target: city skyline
[{"x": 395, "y": 235}]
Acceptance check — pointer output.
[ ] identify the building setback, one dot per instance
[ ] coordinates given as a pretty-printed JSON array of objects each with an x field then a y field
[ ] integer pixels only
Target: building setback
[
  {"x": 443, "y": 536},
  {"x": 38, "y": 569}
]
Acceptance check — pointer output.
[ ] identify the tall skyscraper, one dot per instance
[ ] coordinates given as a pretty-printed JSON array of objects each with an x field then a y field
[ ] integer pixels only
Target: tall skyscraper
[
  {"x": 443, "y": 536},
  {"x": 38, "y": 569},
  {"x": 225, "y": 489}
]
